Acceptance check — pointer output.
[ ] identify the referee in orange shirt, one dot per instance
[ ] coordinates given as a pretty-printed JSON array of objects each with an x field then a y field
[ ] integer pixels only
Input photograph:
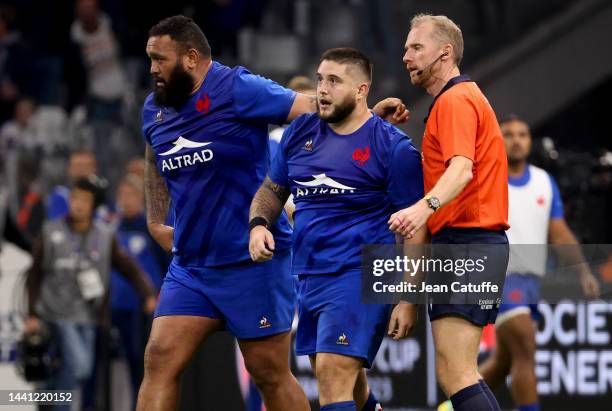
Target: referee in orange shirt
[{"x": 466, "y": 202}]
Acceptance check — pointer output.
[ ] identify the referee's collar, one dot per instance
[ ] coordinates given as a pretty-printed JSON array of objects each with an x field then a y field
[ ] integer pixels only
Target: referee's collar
[{"x": 454, "y": 81}]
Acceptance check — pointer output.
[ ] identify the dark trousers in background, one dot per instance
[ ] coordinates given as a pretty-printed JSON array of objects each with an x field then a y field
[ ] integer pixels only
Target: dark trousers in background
[{"x": 133, "y": 327}]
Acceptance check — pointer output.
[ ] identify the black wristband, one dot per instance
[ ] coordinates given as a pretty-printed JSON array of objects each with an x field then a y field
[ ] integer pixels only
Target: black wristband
[{"x": 255, "y": 221}]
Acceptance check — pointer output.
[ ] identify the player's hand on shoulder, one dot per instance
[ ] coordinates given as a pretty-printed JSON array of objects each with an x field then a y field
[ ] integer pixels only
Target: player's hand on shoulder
[
  {"x": 261, "y": 244},
  {"x": 403, "y": 319},
  {"x": 392, "y": 109}
]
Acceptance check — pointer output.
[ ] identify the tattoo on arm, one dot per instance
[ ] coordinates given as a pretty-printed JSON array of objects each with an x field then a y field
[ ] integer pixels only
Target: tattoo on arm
[
  {"x": 269, "y": 201},
  {"x": 157, "y": 199}
]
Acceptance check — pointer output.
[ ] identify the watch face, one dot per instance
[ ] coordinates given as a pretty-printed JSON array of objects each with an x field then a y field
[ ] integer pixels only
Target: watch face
[{"x": 434, "y": 203}]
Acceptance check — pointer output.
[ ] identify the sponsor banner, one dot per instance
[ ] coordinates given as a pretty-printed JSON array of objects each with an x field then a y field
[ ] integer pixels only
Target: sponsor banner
[
  {"x": 574, "y": 355},
  {"x": 573, "y": 362}
]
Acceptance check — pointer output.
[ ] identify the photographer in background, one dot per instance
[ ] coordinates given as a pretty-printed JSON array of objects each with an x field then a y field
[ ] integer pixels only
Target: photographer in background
[{"x": 68, "y": 283}]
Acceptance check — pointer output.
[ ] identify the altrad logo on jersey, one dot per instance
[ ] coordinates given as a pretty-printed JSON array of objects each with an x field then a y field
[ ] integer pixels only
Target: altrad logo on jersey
[
  {"x": 187, "y": 159},
  {"x": 322, "y": 184}
]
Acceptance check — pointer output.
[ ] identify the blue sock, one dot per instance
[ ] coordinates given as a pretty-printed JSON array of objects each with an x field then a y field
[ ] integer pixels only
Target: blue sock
[
  {"x": 487, "y": 391},
  {"x": 530, "y": 407},
  {"x": 473, "y": 398},
  {"x": 371, "y": 403},
  {"x": 340, "y": 406}
]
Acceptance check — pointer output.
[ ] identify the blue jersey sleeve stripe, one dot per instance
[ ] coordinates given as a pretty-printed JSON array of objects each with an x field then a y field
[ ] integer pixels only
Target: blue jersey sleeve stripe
[{"x": 556, "y": 208}]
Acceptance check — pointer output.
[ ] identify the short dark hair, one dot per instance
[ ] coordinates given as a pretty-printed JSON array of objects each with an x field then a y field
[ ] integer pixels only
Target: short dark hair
[
  {"x": 95, "y": 185},
  {"x": 184, "y": 31},
  {"x": 348, "y": 55},
  {"x": 508, "y": 118}
]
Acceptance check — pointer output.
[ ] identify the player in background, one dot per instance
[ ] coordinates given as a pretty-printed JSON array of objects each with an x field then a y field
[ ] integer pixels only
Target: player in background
[
  {"x": 348, "y": 170},
  {"x": 465, "y": 170},
  {"x": 206, "y": 127},
  {"x": 536, "y": 217}
]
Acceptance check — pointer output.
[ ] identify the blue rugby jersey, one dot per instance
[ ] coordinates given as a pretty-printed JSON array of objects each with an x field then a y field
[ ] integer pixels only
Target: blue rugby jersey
[
  {"x": 213, "y": 155},
  {"x": 345, "y": 187}
]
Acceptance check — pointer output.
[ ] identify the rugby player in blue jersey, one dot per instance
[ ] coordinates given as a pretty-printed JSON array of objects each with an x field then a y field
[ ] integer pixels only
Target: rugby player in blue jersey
[
  {"x": 206, "y": 130},
  {"x": 348, "y": 171}
]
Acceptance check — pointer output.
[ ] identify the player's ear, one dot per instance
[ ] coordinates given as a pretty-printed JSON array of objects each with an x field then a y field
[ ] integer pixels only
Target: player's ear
[
  {"x": 446, "y": 51},
  {"x": 191, "y": 58},
  {"x": 363, "y": 90}
]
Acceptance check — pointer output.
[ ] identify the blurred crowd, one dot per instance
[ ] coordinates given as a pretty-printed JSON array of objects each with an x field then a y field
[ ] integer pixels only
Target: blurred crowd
[
  {"x": 73, "y": 77},
  {"x": 71, "y": 190}
]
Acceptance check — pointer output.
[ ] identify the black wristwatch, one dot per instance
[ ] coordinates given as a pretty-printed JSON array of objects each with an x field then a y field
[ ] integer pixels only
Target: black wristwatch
[
  {"x": 255, "y": 221},
  {"x": 432, "y": 202}
]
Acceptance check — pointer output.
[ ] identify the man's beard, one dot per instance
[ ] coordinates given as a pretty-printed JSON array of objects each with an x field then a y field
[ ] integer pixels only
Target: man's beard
[
  {"x": 516, "y": 157},
  {"x": 340, "y": 112},
  {"x": 176, "y": 91},
  {"x": 515, "y": 161}
]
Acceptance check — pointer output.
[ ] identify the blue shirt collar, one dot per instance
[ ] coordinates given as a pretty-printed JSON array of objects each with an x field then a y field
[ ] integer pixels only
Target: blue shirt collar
[{"x": 521, "y": 180}]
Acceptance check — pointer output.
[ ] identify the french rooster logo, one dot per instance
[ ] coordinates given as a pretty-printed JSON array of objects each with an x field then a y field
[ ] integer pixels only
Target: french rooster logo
[
  {"x": 361, "y": 155},
  {"x": 203, "y": 105}
]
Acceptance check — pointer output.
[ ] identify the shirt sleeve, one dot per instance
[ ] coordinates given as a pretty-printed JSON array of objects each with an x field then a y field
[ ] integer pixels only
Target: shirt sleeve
[
  {"x": 144, "y": 117},
  {"x": 258, "y": 98},
  {"x": 279, "y": 172},
  {"x": 457, "y": 121},
  {"x": 405, "y": 176},
  {"x": 556, "y": 208}
]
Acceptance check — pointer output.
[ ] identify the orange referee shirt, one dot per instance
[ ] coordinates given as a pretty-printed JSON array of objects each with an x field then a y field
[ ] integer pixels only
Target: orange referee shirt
[{"x": 461, "y": 122}]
